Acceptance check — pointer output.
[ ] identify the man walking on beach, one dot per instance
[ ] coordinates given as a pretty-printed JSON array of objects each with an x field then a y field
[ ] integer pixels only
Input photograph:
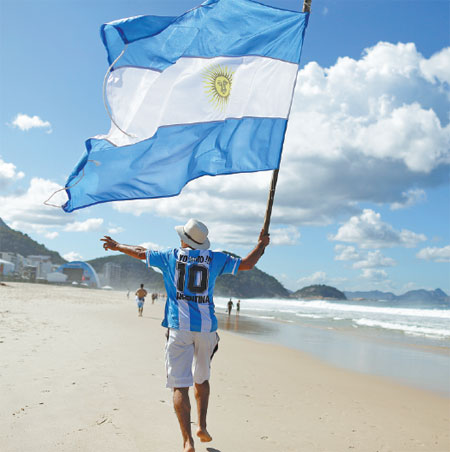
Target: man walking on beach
[
  {"x": 190, "y": 273},
  {"x": 141, "y": 293},
  {"x": 229, "y": 306}
]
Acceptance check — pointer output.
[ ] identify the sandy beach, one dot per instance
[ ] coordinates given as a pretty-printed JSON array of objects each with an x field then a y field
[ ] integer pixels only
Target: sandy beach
[{"x": 80, "y": 371}]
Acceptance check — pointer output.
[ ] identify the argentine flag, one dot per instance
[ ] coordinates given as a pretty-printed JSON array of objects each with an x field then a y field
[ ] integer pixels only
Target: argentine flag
[{"x": 205, "y": 93}]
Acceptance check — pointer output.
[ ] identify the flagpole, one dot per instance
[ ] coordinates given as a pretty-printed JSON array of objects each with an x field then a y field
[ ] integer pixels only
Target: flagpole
[{"x": 273, "y": 185}]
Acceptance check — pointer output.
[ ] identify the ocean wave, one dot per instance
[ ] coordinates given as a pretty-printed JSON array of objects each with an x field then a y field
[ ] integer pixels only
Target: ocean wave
[
  {"x": 407, "y": 329},
  {"x": 409, "y": 312},
  {"x": 310, "y": 316},
  {"x": 323, "y": 307}
]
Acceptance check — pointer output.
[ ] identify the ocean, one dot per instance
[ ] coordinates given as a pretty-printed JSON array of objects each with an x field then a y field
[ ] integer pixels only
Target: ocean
[{"x": 408, "y": 342}]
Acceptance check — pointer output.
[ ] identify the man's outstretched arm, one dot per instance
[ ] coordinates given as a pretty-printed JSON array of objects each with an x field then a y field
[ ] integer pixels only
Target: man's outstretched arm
[
  {"x": 250, "y": 261},
  {"x": 134, "y": 251}
]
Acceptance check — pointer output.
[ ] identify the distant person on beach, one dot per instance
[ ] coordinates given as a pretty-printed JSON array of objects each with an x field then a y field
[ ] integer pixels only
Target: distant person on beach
[
  {"x": 154, "y": 297},
  {"x": 229, "y": 306},
  {"x": 190, "y": 273},
  {"x": 238, "y": 306},
  {"x": 141, "y": 293}
]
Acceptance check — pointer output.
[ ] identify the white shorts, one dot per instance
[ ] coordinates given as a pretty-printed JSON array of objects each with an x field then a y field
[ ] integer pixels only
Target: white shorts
[{"x": 188, "y": 357}]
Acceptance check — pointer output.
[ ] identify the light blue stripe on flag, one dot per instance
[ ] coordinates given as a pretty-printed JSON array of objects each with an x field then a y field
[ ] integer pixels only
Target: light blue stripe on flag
[
  {"x": 175, "y": 154},
  {"x": 215, "y": 28},
  {"x": 214, "y": 115}
]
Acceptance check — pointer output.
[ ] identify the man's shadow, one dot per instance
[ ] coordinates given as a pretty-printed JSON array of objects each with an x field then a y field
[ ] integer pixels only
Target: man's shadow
[{"x": 211, "y": 449}]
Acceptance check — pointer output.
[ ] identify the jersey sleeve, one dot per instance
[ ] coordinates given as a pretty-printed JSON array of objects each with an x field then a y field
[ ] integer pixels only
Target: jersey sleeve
[
  {"x": 156, "y": 259},
  {"x": 226, "y": 264}
]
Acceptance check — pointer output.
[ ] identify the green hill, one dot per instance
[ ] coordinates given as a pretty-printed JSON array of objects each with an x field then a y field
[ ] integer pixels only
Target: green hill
[
  {"x": 13, "y": 241},
  {"x": 319, "y": 291},
  {"x": 133, "y": 272},
  {"x": 250, "y": 284}
]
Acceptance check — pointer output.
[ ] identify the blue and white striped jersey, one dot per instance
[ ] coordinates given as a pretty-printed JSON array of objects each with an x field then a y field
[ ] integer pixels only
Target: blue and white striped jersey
[{"x": 189, "y": 277}]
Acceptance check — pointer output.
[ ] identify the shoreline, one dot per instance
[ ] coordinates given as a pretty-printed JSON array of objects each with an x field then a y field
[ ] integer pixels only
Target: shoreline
[
  {"x": 81, "y": 371},
  {"x": 381, "y": 354}
]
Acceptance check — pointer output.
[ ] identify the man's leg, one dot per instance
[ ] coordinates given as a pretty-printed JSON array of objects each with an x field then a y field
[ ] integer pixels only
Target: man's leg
[
  {"x": 182, "y": 407},
  {"x": 206, "y": 345},
  {"x": 201, "y": 392},
  {"x": 179, "y": 357}
]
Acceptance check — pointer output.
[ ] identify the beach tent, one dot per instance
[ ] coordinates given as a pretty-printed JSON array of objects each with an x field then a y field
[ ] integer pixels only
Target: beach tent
[
  {"x": 56, "y": 277},
  {"x": 80, "y": 273}
]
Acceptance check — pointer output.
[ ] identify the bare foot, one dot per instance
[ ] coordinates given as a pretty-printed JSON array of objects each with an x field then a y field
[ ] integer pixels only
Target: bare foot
[
  {"x": 188, "y": 447},
  {"x": 204, "y": 436}
]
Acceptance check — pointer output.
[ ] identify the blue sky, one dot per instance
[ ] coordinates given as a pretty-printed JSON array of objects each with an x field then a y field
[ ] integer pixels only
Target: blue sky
[{"x": 363, "y": 200}]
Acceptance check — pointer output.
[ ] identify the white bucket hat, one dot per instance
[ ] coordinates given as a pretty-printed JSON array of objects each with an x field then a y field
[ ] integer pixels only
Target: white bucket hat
[{"x": 195, "y": 234}]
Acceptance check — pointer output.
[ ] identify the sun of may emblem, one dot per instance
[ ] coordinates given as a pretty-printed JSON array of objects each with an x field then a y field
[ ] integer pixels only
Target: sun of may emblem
[{"x": 218, "y": 81}]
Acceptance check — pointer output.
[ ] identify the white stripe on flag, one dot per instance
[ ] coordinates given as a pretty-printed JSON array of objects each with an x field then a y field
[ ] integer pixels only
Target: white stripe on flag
[{"x": 142, "y": 100}]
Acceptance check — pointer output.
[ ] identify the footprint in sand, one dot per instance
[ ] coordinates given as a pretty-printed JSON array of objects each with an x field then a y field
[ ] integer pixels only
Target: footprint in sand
[{"x": 102, "y": 420}]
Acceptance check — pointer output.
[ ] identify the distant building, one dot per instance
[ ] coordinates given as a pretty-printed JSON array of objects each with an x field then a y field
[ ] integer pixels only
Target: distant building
[
  {"x": 7, "y": 256},
  {"x": 111, "y": 274},
  {"x": 29, "y": 272},
  {"x": 43, "y": 265},
  {"x": 17, "y": 259},
  {"x": 6, "y": 267}
]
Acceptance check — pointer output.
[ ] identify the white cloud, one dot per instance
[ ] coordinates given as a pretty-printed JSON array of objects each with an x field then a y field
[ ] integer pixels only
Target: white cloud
[
  {"x": 153, "y": 246},
  {"x": 409, "y": 134},
  {"x": 374, "y": 275},
  {"x": 346, "y": 253},
  {"x": 368, "y": 231},
  {"x": 375, "y": 259},
  {"x": 247, "y": 234},
  {"x": 370, "y": 262},
  {"x": 25, "y": 122},
  {"x": 241, "y": 233},
  {"x": 435, "y": 254},
  {"x": 92, "y": 224},
  {"x": 51, "y": 234},
  {"x": 72, "y": 256},
  {"x": 411, "y": 197},
  {"x": 437, "y": 68},
  {"x": 371, "y": 130},
  {"x": 318, "y": 277},
  {"x": 8, "y": 173},
  {"x": 27, "y": 211},
  {"x": 284, "y": 236},
  {"x": 115, "y": 230}
]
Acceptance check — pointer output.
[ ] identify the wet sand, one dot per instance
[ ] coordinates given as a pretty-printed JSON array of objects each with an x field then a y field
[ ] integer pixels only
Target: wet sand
[
  {"x": 407, "y": 360},
  {"x": 80, "y": 371}
]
